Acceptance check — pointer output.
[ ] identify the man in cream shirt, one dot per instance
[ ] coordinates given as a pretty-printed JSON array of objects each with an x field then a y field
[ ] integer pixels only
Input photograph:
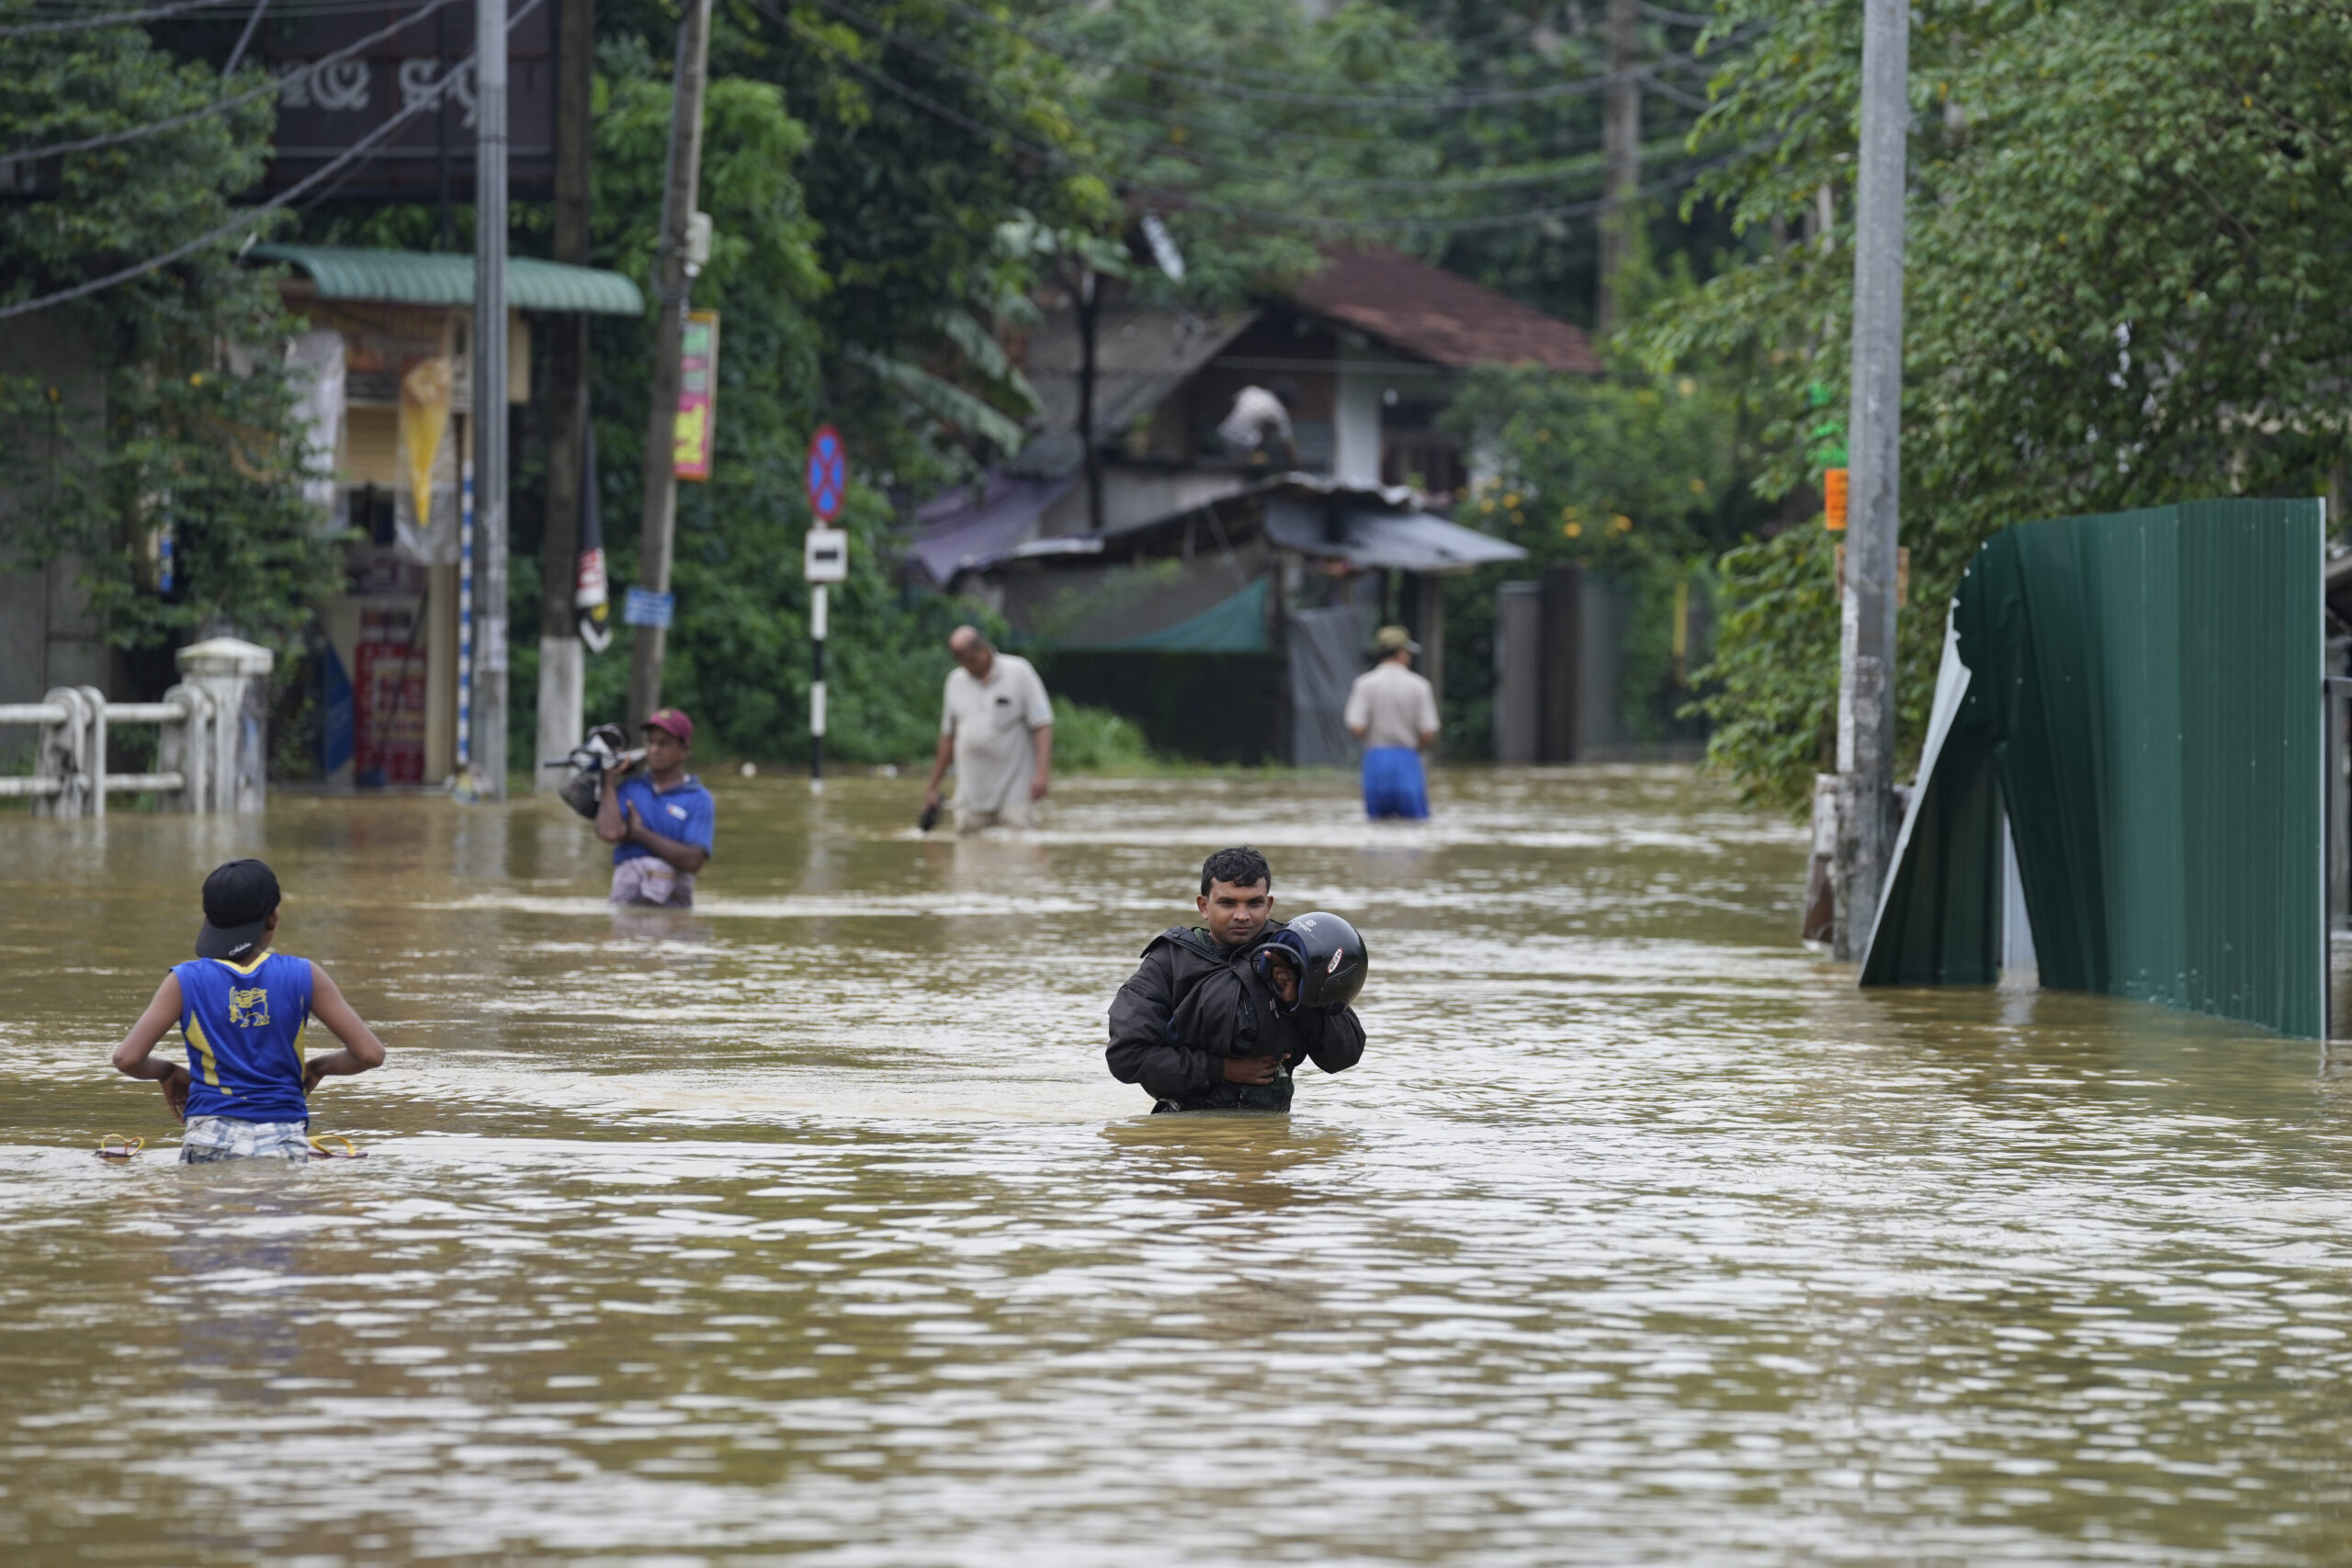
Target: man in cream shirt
[
  {"x": 1394, "y": 713},
  {"x": 997, "y": 728}
]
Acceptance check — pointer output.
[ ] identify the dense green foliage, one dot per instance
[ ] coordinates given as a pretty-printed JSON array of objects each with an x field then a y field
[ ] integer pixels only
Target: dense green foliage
[
  {"x": 129, "y": 419},
  {"x": 2124, "y": 288}
]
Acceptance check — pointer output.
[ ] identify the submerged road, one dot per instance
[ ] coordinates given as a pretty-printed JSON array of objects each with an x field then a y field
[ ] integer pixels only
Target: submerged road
[{"x": 809, "y": 1225}]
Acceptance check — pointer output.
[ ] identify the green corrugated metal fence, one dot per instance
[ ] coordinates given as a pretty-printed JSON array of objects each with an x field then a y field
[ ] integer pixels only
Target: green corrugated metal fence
[{"x": 2143, "y": 695}]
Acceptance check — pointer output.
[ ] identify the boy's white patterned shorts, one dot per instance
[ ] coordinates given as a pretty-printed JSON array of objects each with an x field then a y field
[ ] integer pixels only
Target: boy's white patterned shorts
[{"x": 211, "y": 1138}]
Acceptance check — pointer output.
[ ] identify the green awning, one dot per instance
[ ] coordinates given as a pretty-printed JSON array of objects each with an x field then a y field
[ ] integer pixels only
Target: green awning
[
  {"x": 1237, "y": 625},
  {"x": 419, "y": 277}
]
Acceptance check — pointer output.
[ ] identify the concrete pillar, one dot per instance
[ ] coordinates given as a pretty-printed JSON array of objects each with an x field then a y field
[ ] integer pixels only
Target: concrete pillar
[
  {"x": 235, "y": 674},
  {"x": 562, "y": 676}
]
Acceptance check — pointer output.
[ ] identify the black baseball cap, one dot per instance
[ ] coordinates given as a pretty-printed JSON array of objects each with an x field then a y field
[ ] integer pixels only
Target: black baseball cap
[{"x": 238, "y": 898}]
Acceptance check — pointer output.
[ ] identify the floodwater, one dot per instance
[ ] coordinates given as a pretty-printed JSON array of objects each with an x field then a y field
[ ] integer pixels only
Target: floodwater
[{"x": 810, "y": 1226}]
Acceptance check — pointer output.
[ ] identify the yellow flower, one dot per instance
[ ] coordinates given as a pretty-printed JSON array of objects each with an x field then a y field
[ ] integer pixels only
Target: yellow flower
[
  {"x": 196, "y": 379},
  {"x": 1697, "y": 487},
  {"x": 1622, "y": 523},
  {"x": 1512, "y": 501},
  {"x": 1574, "y": 530},
  {"x": 1686, "y": 386}
]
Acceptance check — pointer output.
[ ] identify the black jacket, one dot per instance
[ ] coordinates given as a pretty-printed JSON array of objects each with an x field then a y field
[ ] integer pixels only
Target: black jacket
[{"x": 1192, "y": 1004}]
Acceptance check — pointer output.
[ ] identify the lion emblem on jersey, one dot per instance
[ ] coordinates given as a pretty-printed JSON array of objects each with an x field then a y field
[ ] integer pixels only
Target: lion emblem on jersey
[{"x": 249, "y": 1009}]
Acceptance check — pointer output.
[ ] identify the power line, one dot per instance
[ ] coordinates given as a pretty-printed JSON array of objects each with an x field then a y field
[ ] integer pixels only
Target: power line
[
  {"x": 222, "y": 106},
  {"x": 85, "y": 22},
  {"x": 252, "y": 215},
  {"x": 1433, "y": 183},
  {"x": 1183, "y": 200},
  {"x": 1072, "y": 52}
]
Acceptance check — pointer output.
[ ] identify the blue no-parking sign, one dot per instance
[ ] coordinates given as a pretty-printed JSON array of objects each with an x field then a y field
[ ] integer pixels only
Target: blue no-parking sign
[{"x": 828, "y": 473}]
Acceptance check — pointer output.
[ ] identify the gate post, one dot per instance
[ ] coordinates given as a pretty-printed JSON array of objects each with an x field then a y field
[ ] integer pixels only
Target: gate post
[
  {"x": 94, "y": 750},
  {"x": 235, "y": 674},
  {"x": 61, "y": 756},
  {"x": 185, "y": 747}
]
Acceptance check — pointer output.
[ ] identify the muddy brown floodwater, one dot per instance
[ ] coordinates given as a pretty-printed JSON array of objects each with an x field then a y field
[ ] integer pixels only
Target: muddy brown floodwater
[{"x": 810, "y": 1225}]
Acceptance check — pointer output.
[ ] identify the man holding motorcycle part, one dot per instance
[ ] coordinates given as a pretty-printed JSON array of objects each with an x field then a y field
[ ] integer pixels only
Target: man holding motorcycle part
[
  {"x": 660, "y": 824},
  {"x": 1217, "y": 1016}
]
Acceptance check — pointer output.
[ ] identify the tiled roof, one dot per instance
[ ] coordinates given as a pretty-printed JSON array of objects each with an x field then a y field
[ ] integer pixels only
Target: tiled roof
[{"x": 1441, "y": 316}]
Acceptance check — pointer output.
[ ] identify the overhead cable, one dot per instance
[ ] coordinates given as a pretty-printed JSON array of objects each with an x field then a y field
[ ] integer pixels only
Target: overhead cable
[
  {"x": 430, "y": 99},
  {"x": 924, "y": 49},
  {"x": 222, "y": 106},
  {"x": 87, "y": 21},
  {"x": 1477, "y": 98},
  {"x": 1185, "y": 200}
]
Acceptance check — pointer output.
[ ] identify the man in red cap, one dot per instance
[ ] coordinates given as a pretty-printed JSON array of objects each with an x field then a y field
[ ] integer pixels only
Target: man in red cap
[{"x": 660, "y": 823}]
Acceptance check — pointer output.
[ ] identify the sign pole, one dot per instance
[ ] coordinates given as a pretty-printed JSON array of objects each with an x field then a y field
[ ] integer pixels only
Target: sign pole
[
  {"x": 817, "y": 684},
  {"x": 826, "y": 561}
]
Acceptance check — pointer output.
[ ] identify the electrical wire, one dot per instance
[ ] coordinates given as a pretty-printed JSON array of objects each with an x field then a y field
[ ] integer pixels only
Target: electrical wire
[
  {"x": 253, "y": 215},
  {"x": 1587, "y": 164},
  {"x": 1071, "y": 51},
  {"x": 222, "y": 106},
  {"x": 85, "y": 22},
  {"x": 1183, "y": 200}
]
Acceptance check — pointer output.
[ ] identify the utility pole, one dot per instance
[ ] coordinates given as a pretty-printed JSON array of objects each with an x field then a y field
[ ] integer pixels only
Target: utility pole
[
  {"x": 1088, "y": 314},
  {"x": 489, "y": 715},
  {"x": 661, "y": 425},
  {"x": 1866, "y": 825},
  {"x": 561, "y": 676},
  {"x": 1620, "y": 135}
]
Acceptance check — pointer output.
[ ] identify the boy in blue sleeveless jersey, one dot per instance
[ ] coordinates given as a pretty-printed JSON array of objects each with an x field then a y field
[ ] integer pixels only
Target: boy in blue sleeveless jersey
[{"x": 240, "y": 1008}]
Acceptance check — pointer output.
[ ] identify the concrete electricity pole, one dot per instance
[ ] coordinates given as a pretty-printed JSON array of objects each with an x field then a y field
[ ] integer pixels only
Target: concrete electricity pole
[
  {"x": 489, "y": 737},
  {"x": 1866, "y": 821},
  {"x": 562, "y": 675},
  {"x": 1621, "y": 137},
  {"x": 661, "y": 425}
]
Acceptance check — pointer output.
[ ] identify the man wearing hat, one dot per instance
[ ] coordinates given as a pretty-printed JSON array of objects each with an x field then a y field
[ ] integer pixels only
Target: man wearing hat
[
  {"x": 1394, "y": 713},
  {"x": 659, "y": 823}
]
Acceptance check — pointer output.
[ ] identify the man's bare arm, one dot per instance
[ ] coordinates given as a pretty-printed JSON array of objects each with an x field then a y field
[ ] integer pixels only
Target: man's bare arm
[
  {"x": 361, "y": 1049},
  {"x": 135, "y": 1057},
  {"x": 1042, "y": 738},
  {"x": 939, "y": 766},
  {"x": 688, "y": 858},
  {"x": 609, "y": 825}
]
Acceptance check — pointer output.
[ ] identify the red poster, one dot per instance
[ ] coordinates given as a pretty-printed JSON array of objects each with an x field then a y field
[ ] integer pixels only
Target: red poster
[
  {"x": 697, "y": 391},
  {"x": 388, "y": 701}
]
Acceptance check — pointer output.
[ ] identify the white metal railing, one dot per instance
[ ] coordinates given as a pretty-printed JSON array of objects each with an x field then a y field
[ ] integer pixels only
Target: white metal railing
[{"x": 70, "y": 776}]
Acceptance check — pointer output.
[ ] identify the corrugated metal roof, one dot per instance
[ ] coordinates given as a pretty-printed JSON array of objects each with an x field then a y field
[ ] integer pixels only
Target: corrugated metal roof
[{"x": 417, "y": 277}]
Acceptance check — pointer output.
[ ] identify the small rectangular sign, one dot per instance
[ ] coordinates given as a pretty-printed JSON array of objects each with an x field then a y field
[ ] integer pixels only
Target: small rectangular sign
[
  {"x": 827, "y": 555},
  {"x": 646, "y": 608},
  {"x": 697, "y": 433},
  {"x": 1832, "y": 500}
]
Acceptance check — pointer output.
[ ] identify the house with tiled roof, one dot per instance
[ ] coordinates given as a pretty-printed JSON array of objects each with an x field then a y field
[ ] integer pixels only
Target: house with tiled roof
[{"x": 1204, "y": 564}]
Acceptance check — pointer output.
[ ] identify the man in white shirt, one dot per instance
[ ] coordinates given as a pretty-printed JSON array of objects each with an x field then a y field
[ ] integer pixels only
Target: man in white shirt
[
  {"x": 1260, "y": 420},
  {"x": 1392, "y": 712},
  {"x": 996, "y": 726}
]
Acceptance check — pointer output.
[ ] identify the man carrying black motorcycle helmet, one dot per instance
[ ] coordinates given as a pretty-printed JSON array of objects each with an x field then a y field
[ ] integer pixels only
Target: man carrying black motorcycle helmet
[{"x": 1216, "y": 1016}]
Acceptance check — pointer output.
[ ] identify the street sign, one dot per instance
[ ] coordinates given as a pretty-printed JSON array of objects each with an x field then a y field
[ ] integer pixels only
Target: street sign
[
  {"x": 697, "y": 391},
  {"x": 827, "y": 477},
  {"x": 643, "y": 607},
  {"x": 827, "y": 556}
]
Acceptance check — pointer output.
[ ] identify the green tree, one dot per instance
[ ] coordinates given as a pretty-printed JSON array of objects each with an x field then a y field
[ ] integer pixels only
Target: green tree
[
  {"x": 162, "y": 407},
  {"x": 2123, "y": 288}
]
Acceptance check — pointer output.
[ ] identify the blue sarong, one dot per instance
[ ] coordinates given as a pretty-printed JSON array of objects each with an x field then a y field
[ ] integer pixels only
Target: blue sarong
[{"x": 1393, "y": 784}]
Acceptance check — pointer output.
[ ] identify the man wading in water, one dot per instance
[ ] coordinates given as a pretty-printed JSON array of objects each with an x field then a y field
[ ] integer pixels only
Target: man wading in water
[{"x": 1215, "y": 1018}]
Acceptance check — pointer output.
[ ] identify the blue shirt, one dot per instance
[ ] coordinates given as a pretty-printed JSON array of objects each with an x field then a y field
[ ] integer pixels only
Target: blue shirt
[
  {"x": 685, "y": 814},
  {"x": 243, "y": 1026}
]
